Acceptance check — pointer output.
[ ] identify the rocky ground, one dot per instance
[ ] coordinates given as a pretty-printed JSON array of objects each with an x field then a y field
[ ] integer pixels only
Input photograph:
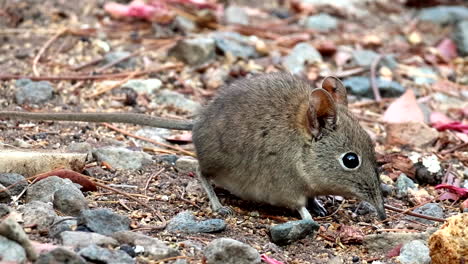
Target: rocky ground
[{"x": 128, "y": 194}]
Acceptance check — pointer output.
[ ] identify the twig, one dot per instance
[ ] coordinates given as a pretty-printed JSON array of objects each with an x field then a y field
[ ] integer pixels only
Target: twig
[
  {"x": 111, "y": 87},
  {"x": 375, "y": 87},
  {"x": 151, "y": 177},
  {"x": 44, "y": 48},
  {"x": 350, "y": 72},
  {"x": 450, "y": 150},
  {"x": 148, "y": 140},
  {"x": 414, "y": 214},
  {"x": 87, "y": 64}
]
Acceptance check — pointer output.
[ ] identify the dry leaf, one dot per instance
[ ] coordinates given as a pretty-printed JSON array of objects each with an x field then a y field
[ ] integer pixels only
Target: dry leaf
[{"x": 404, "y": 109}]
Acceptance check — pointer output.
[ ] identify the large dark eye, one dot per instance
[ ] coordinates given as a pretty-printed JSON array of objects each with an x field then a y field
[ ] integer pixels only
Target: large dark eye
[{"x": 350, "y": 161}]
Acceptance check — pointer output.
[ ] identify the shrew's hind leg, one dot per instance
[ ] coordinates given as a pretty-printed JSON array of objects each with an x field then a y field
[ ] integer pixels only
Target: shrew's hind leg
[{"x": 214, "y": 201}]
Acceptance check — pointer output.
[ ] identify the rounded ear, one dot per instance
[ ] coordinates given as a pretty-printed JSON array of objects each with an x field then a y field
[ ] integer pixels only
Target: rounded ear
[
  {"x": 336, "y": 89},
  {"x": 321, "y": 113}
]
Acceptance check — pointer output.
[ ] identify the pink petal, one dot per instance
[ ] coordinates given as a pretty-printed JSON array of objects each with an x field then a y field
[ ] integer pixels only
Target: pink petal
[
  {"x": 447, "y": 49},
  {"x": 116, "y": 9},
  {"x": 404, "y": 109},
  {"x": 462, "y": 192},
  {"x": 448, "y": 196},
  {"x": 457, "y": 126},
  {"x": 438, "y": 117},
  {"x": 269, "y": 260}
]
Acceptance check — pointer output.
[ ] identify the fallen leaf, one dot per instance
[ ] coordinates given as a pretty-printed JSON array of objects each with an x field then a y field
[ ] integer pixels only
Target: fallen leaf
[
  {"x": 404, "y": 109},
  {"x": 350, "y": 234},
  {"x": 394, "y": 252},
  {"x": 154, "y": 11},
  {"x": 410, "y": 133},
  {"x": 461, "y": 192},
  {"x": 438, "y": 117},
  {"x": 269, "y": 260},
  {"x": 447, "y": 49}
]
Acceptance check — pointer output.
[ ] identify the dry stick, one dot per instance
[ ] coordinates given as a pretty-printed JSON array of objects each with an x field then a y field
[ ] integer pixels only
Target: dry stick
[
  {"x": 454, "y": 148},
  {"x": 111, "y": 87},
  {"x": 44, "y": 48},
  {"x": 148, "y": 140},
  {"x": 150, "y": 178},
  {"x": 350, "y": 72},
  {"x": 414, "y": 214},
  {"x": 87, "y": 64},
  {"x": 375, "y": 87}
]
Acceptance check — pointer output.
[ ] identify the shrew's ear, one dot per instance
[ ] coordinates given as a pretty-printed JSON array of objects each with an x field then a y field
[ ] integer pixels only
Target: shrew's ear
[
  {"x": 321, "y": 112},
  {"x": 336, "y": 89}
]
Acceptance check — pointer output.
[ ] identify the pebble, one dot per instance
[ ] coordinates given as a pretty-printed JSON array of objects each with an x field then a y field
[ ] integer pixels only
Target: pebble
[
  {"x": 184, "y": 24},
  {"x": 404, "y": 183},
  {"x": 69, "y": 200},
  {"x": 292, "y": 231},
  {"x": 430, "y": 209},
  {"x": 76, "y": 239},
  {"x": 235, "y": 44},
  {"x": 60, "y": 255},
  {"x": 11, "y": 251},
  {"x": 365, "y": 58},
  {"x": 151, "y": 246},
  {"x": 384, "y": 242},
  {"x": 444, "y": 14},
  {"x": 7, "y": 179},
  {"x": 186, "y": 164},
  {"x": 39, "y": 214},
  {"x": 185, "y": 222},
  {"x": 154, "y": 133},
  {"x": 214, "y": 78},
  {"x": 95, "y": 254},
  {"x": 236, "y": 15},
  {"x": 80, "y": 147},
  {"x": 461, "y": 37},
  {"x": 414, "y": 252},
  {"x": 361, "y": 86},
  {"x": 302, "y": 54},
  {"x": 62, "y": 224},
  {"x": 351, "y": 7},
  {"x": 45, "y": 189},
  {"x": 387, "y": 189},
  {"x": 425, "y": 76},
  {"x": 321, "y": 22},
  {"x": 29, "y": 92},
  {"x": 148, "y": 86},
  {"x": 365, "y": 208},
  {"x": 104, "y": 221},
  {"x": 117, "y": 55},
  {"x": 230, "y": 251},
  {"x": 195, "y": 51},
  {"x": 168, "y": 159},
  {"x": 122, "y": 158},
  {"x": 178, "y": 100}
]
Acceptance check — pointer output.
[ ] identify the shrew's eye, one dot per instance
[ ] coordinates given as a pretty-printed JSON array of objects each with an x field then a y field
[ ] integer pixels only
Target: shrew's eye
[{"x": 350, "y": 161}]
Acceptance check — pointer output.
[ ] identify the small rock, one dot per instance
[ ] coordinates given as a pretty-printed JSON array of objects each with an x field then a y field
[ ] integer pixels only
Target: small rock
[
  {"x": 168, "y": 159},
  {"x": 7, "y": 179},
  {"x": 350, "y": 7},
  {"x": 301, "y": 55},
  {"x": 194, "y": 51},
  {"x": 122, "y": 158},
  {"x": 430, "y": 209},
  {"x": 321, "y": 22},
  {"x": 414, "y": 252},
  {"x": 444, "y": 14},
  {"x": 11, "y": 251},
  {"x": 130, "y": 250},
  {"x": 387, "y": 189},
  {"x": 184, "y": 24},
  {"x": 45, "y": 189},
  {"x": 214, "y": 78},
  {"x": 292, "y": 231},
  {"x": 29, "y": 92},
  {"x": 60, "y": 255},
  {"x": 230, "y": 251},
  {"x": 186, "y": 164},
  {"x": 117, "y": 55},
  {"x": 80, "y": 147},
  {"x": 449, "y": 243},
  {"x": 76, "y": 239},
  {"x": 95, "y": 254},
  {"x": 185, "y": 222},
  {"x": 62, "y": 224},
  {"x": 404, "y": 183},
  {"x": 70, "y": 200},
  {"x": 361, "y": 86},
  {"x": 410, "y": 133},
  {"x": 148, "y": 86},
  {"x": 419, "y": 196},
  {"x": 176, "y": 99},
  {"x": 235, "y": 44},
  {"x": 154, "y": 133},
  {"x": 236, "y": 15},
  {"x": 461, "y": 37},
  {"x": 424, "y": 76},
  {"x": 365, "y": 208},
  {"x": 152, "y": 247},
  {"x": 383, "y": 243},
  {"x": 39, "y": 214},
  {"x": 104, "y": 221}
]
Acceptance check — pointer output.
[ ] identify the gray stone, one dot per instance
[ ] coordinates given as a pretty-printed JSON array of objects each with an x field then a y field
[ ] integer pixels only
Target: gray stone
[
  {"x": 148, "y": 86},
  {"x": 178, "y": 100},
  {"x": 235, "y": 44},
  {"x": 184, "y": 24},
  {"x": 11, "y": 251},
  {"x": 461, "y": 37},
  {"x": 321, "y": 22},
  {"x": 76, "y": 239},
  {"x": 384, "y": 242},
  {"x": 351, "y": 7},
  {"x": 185, "y": 222},
  {"x": 152, "y": 247},
  {"x": 361, "y": 86},
  {"x": 364, "y": 58},
  {"x": 117, "y": 55},
  {"x": 236, "y": 15},
  {"x": 29, "y": 92},
  {"x": 70, "y": 200},
  {"x": 444, "y": 14},
  {"x": 230, "y": 251},
  {"x": 426, "y": 76},
  {"x": 95, "y": 254},
  {"x": 62, "y": 224},
  {"x": 292, "y": 231},
  {"x": 168, "y": 159},
  {"x": 122, "y": 158},
  {"x": 154, "y": 133},
  {"x": 60, "y": 255},
  {"x": 44, "y": 189},
  {"x": 39, "y": 214},
  {"x": 80, "y": 147},
  {"x": 195, "y": 51},
  {"x": 414, "y": 252},
  {"x": 387, "y": 189},
  {"x": 301, "y": 55},
  {"x": 430, "y": 209},
  {"x": 104, "y": 221},
  {"x": 4, "y": 210},
  {"x": 404, "y": 183},
  {"x": 7, "y": 179},
  {"x": 186, "y": 164}
]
